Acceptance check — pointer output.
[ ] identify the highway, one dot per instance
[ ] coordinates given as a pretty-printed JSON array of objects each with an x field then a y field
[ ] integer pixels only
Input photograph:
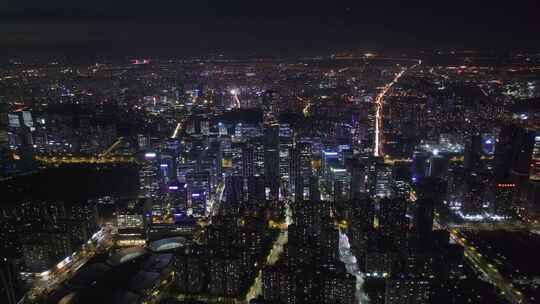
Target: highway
[
  {"x": 112, "y": 147},
  {"x": 379, "y": 103},
  {"x": 491, "y": 226},
  {"x": 49, "y": 280},
  {"x": 62, "y": 160},
  {"x": 489, "y": 271}
]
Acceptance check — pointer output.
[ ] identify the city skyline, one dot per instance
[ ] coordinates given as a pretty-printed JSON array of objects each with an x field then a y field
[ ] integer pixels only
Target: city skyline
[{"x": 269, "y": 153}]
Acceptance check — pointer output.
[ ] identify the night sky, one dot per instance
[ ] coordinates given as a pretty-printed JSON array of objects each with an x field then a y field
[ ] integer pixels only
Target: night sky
[{"x": 265, "y": 27}]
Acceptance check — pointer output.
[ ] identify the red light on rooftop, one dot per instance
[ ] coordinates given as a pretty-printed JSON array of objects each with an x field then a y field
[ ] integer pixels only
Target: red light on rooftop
[{"x": 506, "y": 185}]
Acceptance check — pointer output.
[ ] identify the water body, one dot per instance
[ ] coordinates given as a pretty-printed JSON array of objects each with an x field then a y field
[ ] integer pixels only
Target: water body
[{"x": 72, "y": 183}]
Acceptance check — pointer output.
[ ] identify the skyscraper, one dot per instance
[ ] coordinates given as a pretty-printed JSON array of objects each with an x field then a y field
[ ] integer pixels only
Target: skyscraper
[{"x": 271, "y": 153}]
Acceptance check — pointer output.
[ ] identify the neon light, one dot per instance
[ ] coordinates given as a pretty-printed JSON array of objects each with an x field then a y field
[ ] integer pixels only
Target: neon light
[{"x": 150, "y": 155}]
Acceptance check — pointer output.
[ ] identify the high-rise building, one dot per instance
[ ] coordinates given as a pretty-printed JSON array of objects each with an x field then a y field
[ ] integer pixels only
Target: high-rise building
[
  {"x": 314, "y": 192},
  {"x": 248, "y": 161},
  {"x": 411, "y": 291},
  {"x": 504, "y": 195},
  {"x": 271, "y": 153},
  {"x": 423, "y": 220},
  {"x": 8, "y": 281},
  {"x": 473, "y": 153},
  {"x": 534, "y": 172},
  {"x": 256, "y": 189},
  {"x": 392, "y": 221},
  {"x": 234, "y": 190}
]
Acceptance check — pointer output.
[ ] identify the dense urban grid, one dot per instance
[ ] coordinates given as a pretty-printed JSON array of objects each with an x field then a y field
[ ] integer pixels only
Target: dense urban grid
[{"x": 354, "y": 177}]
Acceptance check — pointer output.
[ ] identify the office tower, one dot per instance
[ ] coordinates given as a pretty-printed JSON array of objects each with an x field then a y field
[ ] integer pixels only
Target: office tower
[
  {"x": 358, "y": 180},
  {"x": 248, "y": 161},
  {"x": 423, "y": 220},
  {"x": 534, "y": 172},
  {"x": 488, "y": 144},
  {"x": 327, "y": 246},
  {"x": 178, "y": 194},
  {"x": 437, "y": 166},
  {"x": 234, "y": 190},
  {"x": 314, "y": 192},
  {"x": 26, "y": 147},
  {"x": 8, "y": 281},
  {"x": 361, "y": 223},
  {"x": 285, "y": 145},
  {"x": 297, "y": 181},
  {"x": 149, "y": 176},
  {"x": 329, "y": 159},
  {"x": 198, "y": 191},
  {"x": 142, "y": 141},
  {"x": 473, "y": 153},
  {"x": 419, "y": 164},
  {"x": 5, "y": 155},
  {"x": 392, "y": 222},
  {"x": 167, "y": 168},
  {"x": 271, "y": 153},
  {"x": 383, "y": 180},
  {"x": 299, "y": 188},
  {"x": 300, "y": 168},
  {"x": 504, "y": 195},
  {"x": 271, "y": 106},
  {"x": 339, "y": 183},
  {"x": 432, "y": 188},
  {"x": 504, "y": 153},
  {"x": 522, "y": 149},
  {"x": 256, "y": 189}
]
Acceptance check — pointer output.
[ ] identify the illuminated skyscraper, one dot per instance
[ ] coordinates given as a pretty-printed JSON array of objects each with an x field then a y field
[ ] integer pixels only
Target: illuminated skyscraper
[{"x": 534, "y": 173}]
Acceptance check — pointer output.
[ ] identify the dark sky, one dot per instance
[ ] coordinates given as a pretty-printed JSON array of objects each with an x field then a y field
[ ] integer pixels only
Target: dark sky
[{"x": 267, "y": 27}]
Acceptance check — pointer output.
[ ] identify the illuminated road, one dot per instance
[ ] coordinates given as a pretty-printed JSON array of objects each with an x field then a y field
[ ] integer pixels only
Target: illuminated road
[
  {"x": 351, "y": 264},
  {"x": 112, "y": 147},
  {"x": 491, "y": 226},
  {"x": 49, "y": 280},
  {"x": 488, "y": 270},
  {"x": 177, "y": 129},
  {"x": 62, "y": 160},
  {"x": 379, "y": 103},
  {"x": 275, "y": 253},
  {"x": 213, "y": 204}
]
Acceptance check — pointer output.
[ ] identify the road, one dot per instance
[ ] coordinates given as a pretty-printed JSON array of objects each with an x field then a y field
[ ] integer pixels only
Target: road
[
  {"x": 63, "y": 160},
  {"x": 489, "y": 271},
  {"x": 275, "y": 253},
  {"x": 490, "y": 226},
  {"x": 215, "y": 201},
  {"x": 49, "y": 280},
  {"x": 379, "y": 103},
  {"x": 112, "y": 147},
  {"x": 351, "y": 264}
]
